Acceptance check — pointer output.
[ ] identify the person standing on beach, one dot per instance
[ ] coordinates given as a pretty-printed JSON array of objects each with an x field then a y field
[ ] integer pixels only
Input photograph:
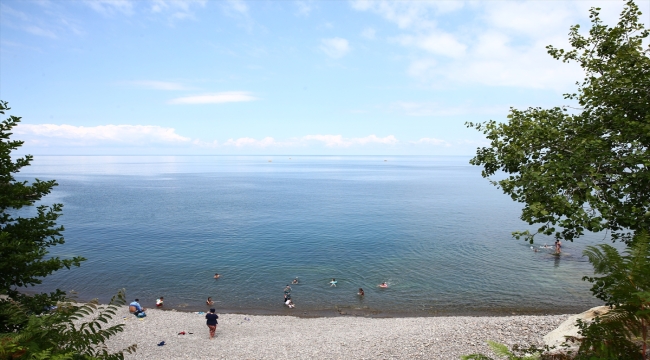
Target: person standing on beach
[{"x": 211, "y": 321}]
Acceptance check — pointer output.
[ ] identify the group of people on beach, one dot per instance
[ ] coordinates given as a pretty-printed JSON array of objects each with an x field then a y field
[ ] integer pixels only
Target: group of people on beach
[
  {"x": 136, "y": 309},
  {"x": 211, "y": 317},
  {"x": 287, "y": 291},
  {"x": 287, "y": 295}
]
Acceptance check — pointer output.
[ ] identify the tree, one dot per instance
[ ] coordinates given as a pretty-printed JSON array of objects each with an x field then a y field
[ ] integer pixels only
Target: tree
[
  {"x": 28, "y": 329},
  {"x": 625, "y": 286},
  {"x": 24, "y": 241},
  {"x": 70, "y": 332},
  {"x": 585, "y": 169}
]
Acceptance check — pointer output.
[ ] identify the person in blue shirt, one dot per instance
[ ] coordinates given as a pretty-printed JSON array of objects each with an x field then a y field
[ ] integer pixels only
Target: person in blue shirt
[
  {"x": 211, "y": 320},
  {"x": 137, "y": 309}
]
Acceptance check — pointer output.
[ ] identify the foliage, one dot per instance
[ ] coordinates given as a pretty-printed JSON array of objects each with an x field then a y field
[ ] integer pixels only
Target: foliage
[
  {"x": 70, "y": 332},
  {"x": 28, "y": 329},
  {"x": 503, "y": 351},
  {"x": 588, "y": 169},
  {"x": 622, "y": 333},
  {"x": 24, "y": 241}
]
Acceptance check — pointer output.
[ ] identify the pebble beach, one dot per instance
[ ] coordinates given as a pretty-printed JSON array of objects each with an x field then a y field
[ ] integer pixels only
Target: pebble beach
[{"x": 343, "y": 337}]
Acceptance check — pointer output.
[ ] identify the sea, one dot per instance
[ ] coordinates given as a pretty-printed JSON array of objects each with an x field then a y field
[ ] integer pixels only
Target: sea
[{"x": 431, "y": 227}]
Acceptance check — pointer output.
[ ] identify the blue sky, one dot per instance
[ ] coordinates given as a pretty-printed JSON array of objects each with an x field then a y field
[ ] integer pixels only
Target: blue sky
[{"x": 279, "y": 77}]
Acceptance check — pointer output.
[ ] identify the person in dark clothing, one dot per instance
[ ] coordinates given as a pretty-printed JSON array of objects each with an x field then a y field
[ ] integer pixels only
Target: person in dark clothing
[{"x": 211, "y": 321}]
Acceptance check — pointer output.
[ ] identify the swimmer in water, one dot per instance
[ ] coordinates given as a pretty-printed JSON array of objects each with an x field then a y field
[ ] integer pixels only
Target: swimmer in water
[
  {"x": 383, "y": 285},
  {"x": 209, "y": 302},
  {"x": 361, "y": 293},
  {"x": 333, "y": 282},
  {"x": 295, "y": 281},
  {"x": 216, "y": 276}
]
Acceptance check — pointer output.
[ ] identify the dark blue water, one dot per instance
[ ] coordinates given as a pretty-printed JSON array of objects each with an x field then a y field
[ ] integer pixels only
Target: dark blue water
[{"x": 431, "y": 227}]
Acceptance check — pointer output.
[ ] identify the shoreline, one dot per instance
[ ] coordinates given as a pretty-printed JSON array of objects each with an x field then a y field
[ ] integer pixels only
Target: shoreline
[
  {"x": 356, "y": 311},
  {"x": 270, "y": 336},
  {"x": 350, "y": 311}
]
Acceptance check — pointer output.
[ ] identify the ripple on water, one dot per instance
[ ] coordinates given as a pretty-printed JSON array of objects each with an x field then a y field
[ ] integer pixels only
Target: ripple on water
[{"x": 431, "y": 227}]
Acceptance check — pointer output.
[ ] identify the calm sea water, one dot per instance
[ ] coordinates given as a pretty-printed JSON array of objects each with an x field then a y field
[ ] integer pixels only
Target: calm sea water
[{"x": 431, "y": 227}]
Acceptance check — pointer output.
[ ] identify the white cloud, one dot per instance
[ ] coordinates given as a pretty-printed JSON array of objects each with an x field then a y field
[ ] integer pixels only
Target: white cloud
[
  {"x": 69, "y": 135},
  {"x": 335, "y": 48},
  {"x": 110, "y": 7},
  {"x": 436, "y": 43},
  {"x": 304, "y": 8},
  {"x": 413, "y": 108},
  {"x": 369, "y": 33},
  {"x": 498, "y": 44},
  {"x": 237, "y": 6},
  {"x": 158, "y": 85},
  {"x": 340, "y": 141},
  {"x": 431, "y": 141},
  {"x": 206, "y": 144},
  {"x": 408, "y": 14},
  {"x": 178, "y": 9},
  {"x": 218, "y": 98},
  {"x": 51, "y": 25},
  {"x": 36, "y": 30},
  {"x": 251, "y": 142}
]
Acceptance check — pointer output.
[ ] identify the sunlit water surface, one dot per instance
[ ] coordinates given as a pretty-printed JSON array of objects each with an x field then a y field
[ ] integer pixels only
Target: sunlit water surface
[{"x": 431, "y": 227}]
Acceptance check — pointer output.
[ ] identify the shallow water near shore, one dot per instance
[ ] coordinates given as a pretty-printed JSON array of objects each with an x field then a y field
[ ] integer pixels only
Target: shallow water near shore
[{"x": 431, "y": 227}]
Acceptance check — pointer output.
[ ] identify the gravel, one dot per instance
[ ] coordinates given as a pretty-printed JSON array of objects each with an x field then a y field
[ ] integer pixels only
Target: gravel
[{"x": 287, "y": 337}]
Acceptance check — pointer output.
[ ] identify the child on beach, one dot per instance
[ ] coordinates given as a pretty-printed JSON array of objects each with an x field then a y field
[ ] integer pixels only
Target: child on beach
[
  {"x": 159, "y": 302},
  {"x": 289, "y": 303},
  {"x": 209, "y": 302},
  {"x": 211, "y": 321}
]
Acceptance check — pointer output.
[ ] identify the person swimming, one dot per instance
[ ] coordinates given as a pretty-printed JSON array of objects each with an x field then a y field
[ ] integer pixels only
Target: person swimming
[
  {"x": 209, "y": 302},
  {"x": 333, "y": 282},
  {"x": 361, "y": 293},
  {"x": 383, "y": 285},
  {"x": 216, "y": 276},
  {"x": 295, "y": 281}
]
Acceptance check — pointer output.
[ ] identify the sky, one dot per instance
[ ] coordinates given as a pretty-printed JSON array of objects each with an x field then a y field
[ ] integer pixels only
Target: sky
[{"x": 259, "y": 77}]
